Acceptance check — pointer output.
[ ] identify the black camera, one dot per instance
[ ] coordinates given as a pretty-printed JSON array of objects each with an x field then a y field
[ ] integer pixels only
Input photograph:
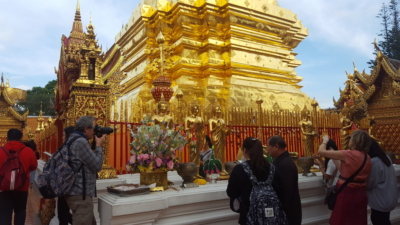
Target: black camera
[{"x": 99, "y": 131}]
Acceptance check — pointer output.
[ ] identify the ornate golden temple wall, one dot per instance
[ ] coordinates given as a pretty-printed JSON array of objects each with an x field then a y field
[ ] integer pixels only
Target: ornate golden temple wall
[
  {"x": 384, "y": 107},
  {"x": 233, "y": 52}
]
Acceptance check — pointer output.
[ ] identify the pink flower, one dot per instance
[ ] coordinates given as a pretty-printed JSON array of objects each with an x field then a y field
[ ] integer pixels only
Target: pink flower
[
  {"x": 212, "y": 171},
  {"x": 158, "y": 162},
  {"x": 170, "y": 165},
  {"x": 145, "y": 156},
  {"x": 151, "y": 156},
  {"x": 132, "y": 160},
  {"x": 160, "y": 155},
  {"x": 128, "y": 168},
  {"x": 140, "y": 157}
]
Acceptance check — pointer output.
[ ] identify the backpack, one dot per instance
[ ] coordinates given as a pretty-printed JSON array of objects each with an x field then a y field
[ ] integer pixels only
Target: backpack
[
  {"x": 58, "y": 177},
  {"x": 12, "y": 173},
  {"x": 265, "y": 207}
]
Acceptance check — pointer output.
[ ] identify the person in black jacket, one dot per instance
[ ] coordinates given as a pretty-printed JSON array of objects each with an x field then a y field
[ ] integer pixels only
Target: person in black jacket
[
  {"x": 290, "y": 200},
  {"x": 239, "y": 185}
]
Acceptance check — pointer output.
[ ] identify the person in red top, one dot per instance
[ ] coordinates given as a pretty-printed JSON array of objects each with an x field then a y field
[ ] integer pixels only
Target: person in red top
[
  {"x": 351, "y": 202},
  {"x": 15, "y": 200}
]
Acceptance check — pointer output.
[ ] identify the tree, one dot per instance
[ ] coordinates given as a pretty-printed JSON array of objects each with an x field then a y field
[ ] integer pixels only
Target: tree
[
  {"x": 40, "y": 96},
  {"x": 390, "y": 33}
]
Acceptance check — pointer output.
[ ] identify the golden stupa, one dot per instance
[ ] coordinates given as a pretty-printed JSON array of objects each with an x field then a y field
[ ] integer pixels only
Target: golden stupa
[{"x": 234, "y": 51}]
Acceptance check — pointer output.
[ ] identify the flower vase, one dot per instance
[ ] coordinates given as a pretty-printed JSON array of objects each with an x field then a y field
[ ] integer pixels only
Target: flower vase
[
  {"x": 212, "y": 178},
  {"x": 159, "y": 177}
]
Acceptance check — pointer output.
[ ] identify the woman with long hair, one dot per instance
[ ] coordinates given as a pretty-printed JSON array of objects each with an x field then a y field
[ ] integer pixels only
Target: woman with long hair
[
  {"x": 329, "y": 168},
  {"x": 351, "y": 202},
  {"x": 382, "y": 189},
  {"x": 63, "y": 211},
  {"x": 240, "y": 186}
]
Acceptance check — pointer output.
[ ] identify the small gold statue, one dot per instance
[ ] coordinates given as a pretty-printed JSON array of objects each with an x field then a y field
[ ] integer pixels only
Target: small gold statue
[
  {"x": 91, "y": 111},
  {"x": 194, "y": 127},
  {"x": 345, "y": 122},
  {"x": 218, "y": 131},
  {"x": 162, "y": 118},
  {"x": 308, "y": 132}
]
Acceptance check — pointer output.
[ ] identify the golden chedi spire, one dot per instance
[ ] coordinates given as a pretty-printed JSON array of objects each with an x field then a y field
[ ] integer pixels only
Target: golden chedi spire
[
  {"x": 77, "y": 30},
  {"x": 40, "y": 119}
]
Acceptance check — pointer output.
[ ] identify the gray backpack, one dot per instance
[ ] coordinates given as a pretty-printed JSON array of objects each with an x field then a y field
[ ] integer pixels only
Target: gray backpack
[
  {"x": 265, "y": 207},
  {"x": 57, "y": 177}
]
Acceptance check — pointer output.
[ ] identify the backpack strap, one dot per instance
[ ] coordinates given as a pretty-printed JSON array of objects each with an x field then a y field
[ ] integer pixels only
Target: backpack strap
[
  {"x": 249, "y": 172},
  {"x": 80, "y": 168},
  {"x": 271, "y": 173}
]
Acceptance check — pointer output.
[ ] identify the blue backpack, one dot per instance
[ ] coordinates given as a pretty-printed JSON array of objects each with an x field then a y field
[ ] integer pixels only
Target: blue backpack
[
  {"x": 57, "y": 177},
  {"x": 265, "y": 207}
]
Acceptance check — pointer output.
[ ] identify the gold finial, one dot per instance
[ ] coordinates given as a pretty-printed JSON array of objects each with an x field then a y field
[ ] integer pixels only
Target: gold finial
[
  {"x": 78, "y": 6},
  {"x": 354, "y": 65},
  {"x": 7, "y": 82},
  {"x": 314, "y": 103}
]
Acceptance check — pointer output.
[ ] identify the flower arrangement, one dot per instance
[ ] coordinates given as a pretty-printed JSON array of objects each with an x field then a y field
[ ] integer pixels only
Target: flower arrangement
[
  {"x": 212, "y": 167},
  {"x": 153, "y": 147}
]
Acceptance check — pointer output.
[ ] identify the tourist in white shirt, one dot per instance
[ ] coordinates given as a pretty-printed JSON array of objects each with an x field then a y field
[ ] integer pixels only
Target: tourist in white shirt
[{"x": 330, "y": 169}]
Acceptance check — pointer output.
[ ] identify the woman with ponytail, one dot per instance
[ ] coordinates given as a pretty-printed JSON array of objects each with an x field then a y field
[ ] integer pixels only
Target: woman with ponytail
[{"x": 240, "y": 186}]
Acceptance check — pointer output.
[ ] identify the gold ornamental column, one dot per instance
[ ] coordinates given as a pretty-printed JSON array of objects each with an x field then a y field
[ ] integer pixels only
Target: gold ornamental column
[{"x": 89, "y": 96}]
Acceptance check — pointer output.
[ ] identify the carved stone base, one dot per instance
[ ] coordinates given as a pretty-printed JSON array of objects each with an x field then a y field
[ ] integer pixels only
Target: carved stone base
[{"x": 107, "y": 172}]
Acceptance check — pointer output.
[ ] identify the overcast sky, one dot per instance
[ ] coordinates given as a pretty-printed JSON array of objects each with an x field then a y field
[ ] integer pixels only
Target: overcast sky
[{"x": 339, "y": 32}]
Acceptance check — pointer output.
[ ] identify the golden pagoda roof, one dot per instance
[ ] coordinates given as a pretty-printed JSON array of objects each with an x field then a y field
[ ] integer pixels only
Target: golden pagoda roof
[
  {"x": 11, "y": 96},
  {"x": 362, "y": 85}
]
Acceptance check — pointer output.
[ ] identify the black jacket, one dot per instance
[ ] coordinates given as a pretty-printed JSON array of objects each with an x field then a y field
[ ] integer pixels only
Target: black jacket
[
  {"x": 239, "y": 185},
  {"x": 290, "y": 200}
]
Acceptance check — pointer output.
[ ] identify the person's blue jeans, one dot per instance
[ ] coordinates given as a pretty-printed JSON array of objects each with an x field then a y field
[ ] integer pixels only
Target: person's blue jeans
[
  {"x": 33, "y": 174},
  {"x": 13, "y": 201}
]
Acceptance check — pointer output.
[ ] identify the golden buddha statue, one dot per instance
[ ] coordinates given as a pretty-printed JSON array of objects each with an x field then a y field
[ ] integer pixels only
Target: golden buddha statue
[
  {"x": 91, "y": 110},
  {"x": 218, "y": 131},
  {"x": 345, "y": 122},
  {"x": 162, "y": 118},
  {"x": 194, "y": 127},
  {"x": 308, "y": 132}
]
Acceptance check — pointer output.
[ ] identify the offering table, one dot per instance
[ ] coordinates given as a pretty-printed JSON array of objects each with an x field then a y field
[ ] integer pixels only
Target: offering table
[{"x": 206, "y": 204}]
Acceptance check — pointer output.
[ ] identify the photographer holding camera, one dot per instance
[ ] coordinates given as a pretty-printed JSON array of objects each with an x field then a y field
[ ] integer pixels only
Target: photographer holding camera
[{"x": 87, "y": 163}]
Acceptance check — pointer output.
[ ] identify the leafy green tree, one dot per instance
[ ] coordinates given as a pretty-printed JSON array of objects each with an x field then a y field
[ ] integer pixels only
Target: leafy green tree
[{"x": 40, "y": 96}]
